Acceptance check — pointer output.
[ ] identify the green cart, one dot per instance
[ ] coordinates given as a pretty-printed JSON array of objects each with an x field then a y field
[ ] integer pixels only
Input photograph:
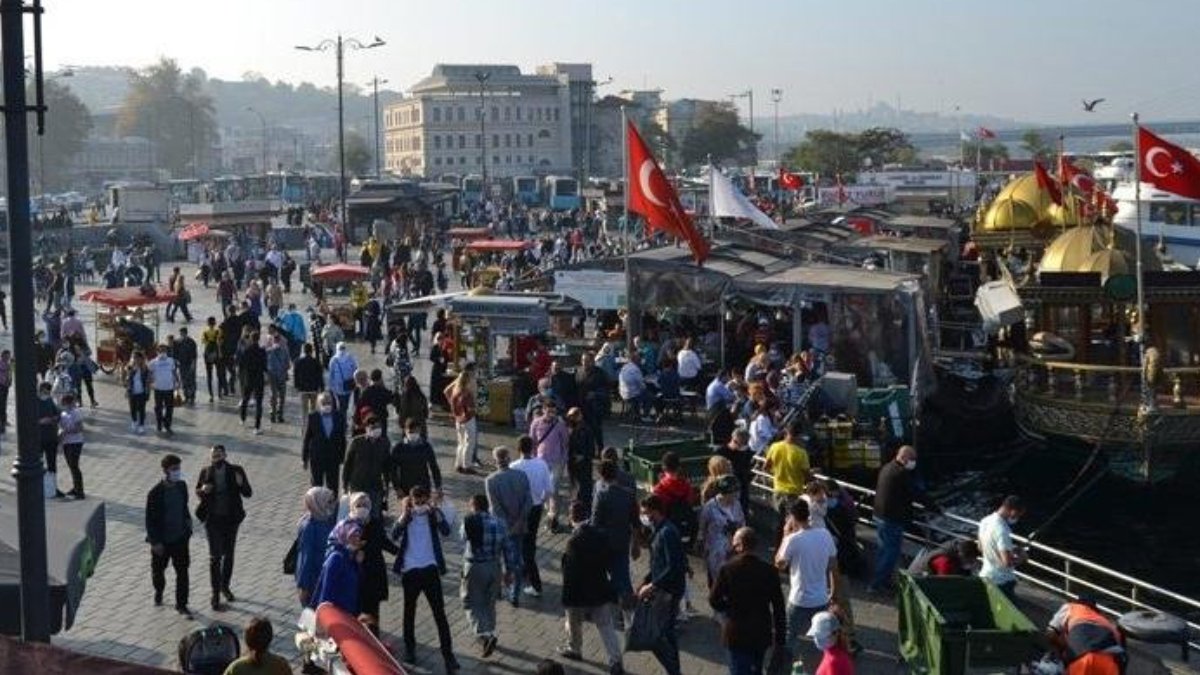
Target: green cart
[{"x": 956, "y": 625}]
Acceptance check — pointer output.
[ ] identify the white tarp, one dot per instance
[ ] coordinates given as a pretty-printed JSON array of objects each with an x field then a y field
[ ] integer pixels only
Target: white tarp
[
  {"x": 727, "y": 201},
  {"x": 593, "y": 289}
]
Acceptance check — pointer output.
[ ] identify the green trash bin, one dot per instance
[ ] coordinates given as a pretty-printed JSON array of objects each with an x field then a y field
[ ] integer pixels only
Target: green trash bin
[
  {"x": 948, "y": 625},
  {"x": 645, "y": 460}
]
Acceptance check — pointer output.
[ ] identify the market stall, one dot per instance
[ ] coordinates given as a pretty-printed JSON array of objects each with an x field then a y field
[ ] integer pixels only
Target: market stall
[
  {"x": 337, "y": 278},
  {"x": 113, "y": 344},
  {"x": 477, "y": 255}
]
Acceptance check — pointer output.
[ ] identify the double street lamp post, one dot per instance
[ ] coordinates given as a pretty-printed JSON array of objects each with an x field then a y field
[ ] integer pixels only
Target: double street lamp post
[{"x": 339, "y": 44}]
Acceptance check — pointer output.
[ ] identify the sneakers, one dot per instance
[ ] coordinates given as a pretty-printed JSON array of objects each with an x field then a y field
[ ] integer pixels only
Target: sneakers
[
  {"x": 141, "y": 430},
  {"x": 533, "y": 592},
  {"x": 216, "y": 604},
  {"x": 228, "y": 595},
  {"x": 257, "y": 431},
  {"x": 133, "y": 427},
  {"x": 568, "y": 653},
  {"x": 184, "y": 611},
  {"x": 489, "y": 646}
]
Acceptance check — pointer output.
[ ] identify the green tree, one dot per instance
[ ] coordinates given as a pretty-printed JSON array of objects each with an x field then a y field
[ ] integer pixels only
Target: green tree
[
  {"x": 885, "y": 145},
  {"x": 716, "y": 132},
  {"x": 987, "y": 153},
  {"x": 68, "y": 123},
  {"x": 171, "y": 109},
  {"x": 662, "y": 143},
  {"x": 359, "y": 156},
  {"x": 826, "y": 152},
  {"x": 1035, "y": 145},
  {"x": 1121, "y": 146}
]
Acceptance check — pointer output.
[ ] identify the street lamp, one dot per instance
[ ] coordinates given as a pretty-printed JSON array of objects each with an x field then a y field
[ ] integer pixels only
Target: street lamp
[
  {"x": 587, "y": 130},
  {"x": 339, "y": 44},
  {"x": 66, "y": 72},
  {"x": 375, "y": 82},
  {"x": 482, "y": 77},
  {"x": 262, "y": 119},
  {"x": 749, "y": 93},
  {"x": 776, "y": 97}
]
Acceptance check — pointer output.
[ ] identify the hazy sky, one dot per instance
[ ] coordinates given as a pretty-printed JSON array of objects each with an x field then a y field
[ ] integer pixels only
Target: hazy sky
[{"x": 1027, "y": 59}]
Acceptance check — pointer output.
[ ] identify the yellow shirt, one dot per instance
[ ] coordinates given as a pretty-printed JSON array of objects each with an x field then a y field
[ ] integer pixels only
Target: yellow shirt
[{"x": 789, "y": 466}]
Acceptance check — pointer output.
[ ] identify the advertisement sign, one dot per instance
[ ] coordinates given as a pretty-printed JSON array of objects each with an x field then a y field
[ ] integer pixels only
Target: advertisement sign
[
  {"x": 858, "y": 195},
  {"x": 593, "y": 289}
]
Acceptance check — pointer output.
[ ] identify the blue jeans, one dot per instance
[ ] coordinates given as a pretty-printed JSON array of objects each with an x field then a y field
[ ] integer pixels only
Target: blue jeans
[
  {"x": 746, "y": 661},
  {"x": 891, "y": 535},
  {"x": 513, "y": 564},
  {"x": 667, "y": 649},
  {"x": 799, "y": 619}
]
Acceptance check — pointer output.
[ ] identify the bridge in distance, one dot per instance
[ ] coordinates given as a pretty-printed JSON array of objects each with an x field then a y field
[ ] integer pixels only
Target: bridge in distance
[{"x": 931, "y": 140}]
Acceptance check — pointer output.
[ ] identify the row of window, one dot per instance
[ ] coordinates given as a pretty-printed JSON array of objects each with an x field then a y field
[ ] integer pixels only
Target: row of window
[
  {"x": 509, "y": 112},
  {"x": 508, "y": 159},
  {"x": 450, "y": 141},
  {"x": 395, "y": 118}
]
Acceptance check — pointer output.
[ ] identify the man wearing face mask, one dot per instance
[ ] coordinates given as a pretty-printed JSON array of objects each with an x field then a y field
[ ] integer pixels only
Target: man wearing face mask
[
  {"x": 48, "y": 420},
  {"x": 324, "y": 445},
  {"x": 1000, "y": 555},
  {"x": 221, "y": 488},
  {"x": 668, "y": 570},
  {"x": 895, "y": 491},
  {"x": 413, "y": 462},
  {"x": 367, "y": 464},
  {"x": 747, "y": 593},
  {"x": 420, "y": 565},
  {"x": 169, "y": 532}
]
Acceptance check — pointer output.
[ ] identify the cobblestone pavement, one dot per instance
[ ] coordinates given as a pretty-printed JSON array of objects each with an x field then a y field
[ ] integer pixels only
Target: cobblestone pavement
[{"x": 117, "y": 617}]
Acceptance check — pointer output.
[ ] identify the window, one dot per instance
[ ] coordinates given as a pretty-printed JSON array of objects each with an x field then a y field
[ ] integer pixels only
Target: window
[
  {"x": 508, "y": 140},
  {"x": 518, "y": 113},
  {"x": 495, "y": 140},
  {"x": 531, "y": 159},
  {"x": 495, "y": 113},
  {"x": 416, "y": 116},
  {"x": 529, "y": 140},
  {"x": 461, "y": 114},
  {"x": 507, "y": 113},
  {"x": 495, "y": 159},
  {"x": 544, "y": 133},
  {"x": 437, "y": 142},
  {"x": 478, "y": 140},
  {"x": 556, "y": 112},
  {"x": 539, "y": 114},
  {"x": 462, "y": 141},
  {"x": 462, "y": 160},
  {"x": 478, "y": 113},
  {"x": 416, "y": 144},
  {"x": 437, "y": 160},
  {"x": 517, "y": 140},
  {"x": 437, "y": 114},
  {"x": 508, "y": 159}
]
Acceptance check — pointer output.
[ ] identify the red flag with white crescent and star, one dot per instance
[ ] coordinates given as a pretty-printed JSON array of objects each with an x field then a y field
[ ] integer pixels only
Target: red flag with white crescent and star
[
  {"x": 1083, "y": 183},
  {"x": 1167, "y": 166},
  {"x": 1045, "y": 182},
  {"x": 790, "y": 181},
  {"x": 652, "y": 197}
]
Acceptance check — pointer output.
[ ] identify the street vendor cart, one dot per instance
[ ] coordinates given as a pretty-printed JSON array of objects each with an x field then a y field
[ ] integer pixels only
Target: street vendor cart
[
  {"x": 336, "y": 279},
  {"x": 113, "y": 346},
  {"x": 476, "y": 253}
]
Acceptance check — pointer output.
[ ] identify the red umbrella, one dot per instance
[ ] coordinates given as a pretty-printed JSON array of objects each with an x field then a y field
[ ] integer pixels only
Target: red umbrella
[
  {"x": 499, "y": 245},
  {"x": 193, "y": 231},
  {"x": 128, "y": 296},
  {"x": 340, "y": 273}
]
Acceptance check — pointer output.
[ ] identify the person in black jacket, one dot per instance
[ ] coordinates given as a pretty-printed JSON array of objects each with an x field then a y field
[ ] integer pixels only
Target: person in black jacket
[
  {"x": 377, "y": 397},
  {"x": 594, "y": 396},
  {"x": 185, "y": 352},
  {"x": 253, "y": 365},
  {"x": 582, "y": 449},
  {"x": 309, "y": 379},
  {"x": 587, "y": 591},
  {"x": 324, "y": 446},
  {"x": 169, "y": 532},
  {"x": 748, "y": 593},
  {"x": 413, "y": 462},
  {"x": 896, "y": 490},
  {"x": 420, "y": 565},
  {"x": 221, "y": 488}
]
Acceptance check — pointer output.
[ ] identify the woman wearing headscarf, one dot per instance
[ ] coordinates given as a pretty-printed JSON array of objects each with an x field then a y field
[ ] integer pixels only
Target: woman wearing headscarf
[
  {"x": 413, "y": 405},
  {"x": 340, "y": 574},
  {"x": 373, "y": 579},
  {"x": 320, "y": 511},
  {"x": 720, "y": 517}
]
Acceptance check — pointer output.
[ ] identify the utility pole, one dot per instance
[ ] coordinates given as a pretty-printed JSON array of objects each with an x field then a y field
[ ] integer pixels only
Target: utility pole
[
  {"x": 339, "y": 44},
  {"x": 262, "y": 119},
  {"x": 776, "y": 97},
  {"x": 28, "y": 469},
  {"x": 375, "y": 82},
  {"x": 483, "y": 77}
]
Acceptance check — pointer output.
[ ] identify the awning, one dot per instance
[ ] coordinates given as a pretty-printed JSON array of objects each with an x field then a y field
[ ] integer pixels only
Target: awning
[
  {"x": 193, "y": 231},
  {"x": 339, "y": 273},
  {"x": 128, "y": 296},
  {"x": 499, "y": 245}
]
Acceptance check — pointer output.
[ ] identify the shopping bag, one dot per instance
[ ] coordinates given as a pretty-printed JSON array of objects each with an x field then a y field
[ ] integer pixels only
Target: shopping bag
[
  {"x": 649, "y": 619},
  {"x": 49, "y": 485}
]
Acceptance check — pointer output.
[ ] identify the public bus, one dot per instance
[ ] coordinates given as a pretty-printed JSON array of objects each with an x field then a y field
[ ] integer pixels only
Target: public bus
[
  {"x": 472, "y": 189},
  {"x": 229, "y": 188},
  {"x": 562, "y": 193},
  {"x": 525, "y": 189},
  {"x": 185, "y": 190}
]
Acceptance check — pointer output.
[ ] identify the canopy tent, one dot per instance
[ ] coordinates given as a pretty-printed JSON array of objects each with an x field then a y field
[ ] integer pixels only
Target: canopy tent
[
  {"x": 485, "y": 245},
  {"x": 128, "y": 296},
  {"x": 75, "y": 538},
  {"x": 339, "y": 273}
]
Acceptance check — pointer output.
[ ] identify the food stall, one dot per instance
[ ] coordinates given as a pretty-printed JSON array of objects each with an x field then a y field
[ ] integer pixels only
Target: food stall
[
  {"x": 198, "y": 236},
  {"x": 112, "y": 348},
  {"x": 477, "y": 250},
  {"x": 460, "y": 237},
  {"x": 337, "y": 278}
]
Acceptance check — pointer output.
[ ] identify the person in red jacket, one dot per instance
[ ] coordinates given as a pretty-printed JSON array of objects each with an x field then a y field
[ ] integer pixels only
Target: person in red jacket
[{"x": 673, "y": 488}]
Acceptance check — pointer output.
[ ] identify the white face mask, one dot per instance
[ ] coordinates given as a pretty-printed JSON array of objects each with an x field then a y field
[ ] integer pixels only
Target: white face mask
[
  {"x": 646, "y": 521},
  {"x": 412, "y": 438},
  {"x": 326, "y": 409},
  {"x": 360, "y": 513},
  {"x": 374, "y": 432},
  {"x": 910, "y": 464},
  {"x": 420, "y": 510},
  {"x": 175, "y": 475}
]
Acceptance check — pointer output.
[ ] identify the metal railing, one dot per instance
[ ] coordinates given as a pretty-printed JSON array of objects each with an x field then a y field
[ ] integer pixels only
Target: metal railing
[
  {"x": 1177, "y": 386},
  {"x": 1048, "y": 568}
]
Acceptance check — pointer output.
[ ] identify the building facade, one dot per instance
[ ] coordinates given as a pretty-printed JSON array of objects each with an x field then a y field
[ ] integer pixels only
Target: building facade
[{"x": 491, "y": 120}]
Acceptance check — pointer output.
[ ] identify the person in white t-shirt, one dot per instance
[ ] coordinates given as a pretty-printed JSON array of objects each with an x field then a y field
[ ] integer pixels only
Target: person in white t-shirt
[
  {"x": 70, "y": 434},
  {"x": 164, "y": 378},
  {"x": 809, "y": 556},
  {"x": 1000, "y": 555},
  {"x": 541, "y": 488},
  {"x": 689, "y": 364}
]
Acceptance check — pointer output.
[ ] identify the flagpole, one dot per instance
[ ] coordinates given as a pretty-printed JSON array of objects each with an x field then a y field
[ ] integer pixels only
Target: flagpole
[
  {"x": 1147, "y": 402},
  {"x": 1062, "y": 181},
  {"x": 625, "y": 229}
]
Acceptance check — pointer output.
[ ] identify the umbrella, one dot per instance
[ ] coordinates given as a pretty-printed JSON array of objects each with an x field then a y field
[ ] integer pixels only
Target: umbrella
[
  {"x": 193, "y": 231},
  {"x": 340, "y": 273},
  {"x": 75, "y": 538}
]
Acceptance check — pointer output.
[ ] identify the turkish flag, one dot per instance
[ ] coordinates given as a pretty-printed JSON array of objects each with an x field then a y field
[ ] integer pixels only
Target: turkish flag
[
  {"x": 652, "y": 197},
  {"x": 984, "y": 132},
  {"x": 1047, "y": 183},
  {"x": 1167, "y": 167},
  {"x": 1086, "y": 185},
  {"x": 790, "y": 181}
]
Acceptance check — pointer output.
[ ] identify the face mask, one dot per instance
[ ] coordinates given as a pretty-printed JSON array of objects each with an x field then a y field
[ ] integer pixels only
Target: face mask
[
  {"x": 421, "y": 510},
  {"x": 374, "y": 432},
  {"x": 646, "y": 521},
  {"x": 831, "y": 503},
  {"x": 44, "y": 397},
  {"x": 175, "y": 475},
  {"x": 1013, "y": 520},
  {"x": 326, "y": 409},
  {"x": 823, "y": 642},
  {"x": 910, "y": 464},
  {"x": 412, "y": 438},
  {"x": 360, "y": 513}
]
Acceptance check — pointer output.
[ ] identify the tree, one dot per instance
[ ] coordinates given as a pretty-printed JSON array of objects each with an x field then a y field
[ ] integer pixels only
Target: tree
[
  {"x": 172, "y": 110},
  {"x": 716, "y": 132},
  {"x": 885, "y": 145},
  {"x": 662, "y": 143},
  {"x": 1037, "y": 147},
  {"x": 826, "y": 152},
  {"x": 989, "y": 154},
  {"x": 358, "y": 155},
  {"x": 68, "y": 123},
  {"x": 1121, "y": 146}
]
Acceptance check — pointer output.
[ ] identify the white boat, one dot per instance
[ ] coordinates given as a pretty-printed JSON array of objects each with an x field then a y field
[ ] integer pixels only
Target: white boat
[{"x": 1166, "y": 218}]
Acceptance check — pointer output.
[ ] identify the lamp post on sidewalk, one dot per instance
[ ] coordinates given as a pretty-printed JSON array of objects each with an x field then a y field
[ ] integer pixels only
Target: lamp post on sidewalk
[
  {"x": 339, "y": 45},
  {"x": 483, "y": 77},
  {"x": 262, "y": 119},
  {"x": 375, "y": 82},
  {"x": 776, "y": 97}
]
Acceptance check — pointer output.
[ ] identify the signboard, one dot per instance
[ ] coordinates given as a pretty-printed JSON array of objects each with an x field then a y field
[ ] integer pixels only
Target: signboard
[
  {"x": 861, "y": 195},
  {"x": 592, "y": 288},
  {"x": 919, "y": 179}
]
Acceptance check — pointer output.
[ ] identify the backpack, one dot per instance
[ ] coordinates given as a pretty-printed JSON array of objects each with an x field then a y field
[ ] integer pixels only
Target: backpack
[{"x": 208, "y": 651}]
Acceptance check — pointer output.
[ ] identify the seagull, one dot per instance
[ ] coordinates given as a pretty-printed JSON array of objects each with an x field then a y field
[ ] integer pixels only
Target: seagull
[{"x": 1090, "y": 106}]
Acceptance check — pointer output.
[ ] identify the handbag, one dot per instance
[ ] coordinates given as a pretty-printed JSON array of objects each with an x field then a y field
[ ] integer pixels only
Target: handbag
[
  {"x": 646, "y": 629},
  {"x": 289, "y": 558}
]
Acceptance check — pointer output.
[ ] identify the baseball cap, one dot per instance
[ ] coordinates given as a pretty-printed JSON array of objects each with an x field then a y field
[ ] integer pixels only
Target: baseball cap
[{"x": 823, "y": 625}]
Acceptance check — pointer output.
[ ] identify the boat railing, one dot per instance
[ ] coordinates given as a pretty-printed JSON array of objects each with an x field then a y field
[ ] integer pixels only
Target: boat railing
[
  {"x": 1051, "y": 569},
  {"x": 1098, "y": 383}
]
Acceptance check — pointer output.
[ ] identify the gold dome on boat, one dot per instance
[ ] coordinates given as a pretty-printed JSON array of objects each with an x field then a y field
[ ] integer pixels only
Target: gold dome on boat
[
  {"x": 1022, "y": 205},
  {"x": 1097, "y": 248}
]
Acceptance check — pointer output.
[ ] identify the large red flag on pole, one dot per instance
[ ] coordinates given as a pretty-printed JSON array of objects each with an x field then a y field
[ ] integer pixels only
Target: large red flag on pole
[
  {"x": 1167, "y": 166},
  {"x": 651, "y": 196},
  {"x": 1047, "y": 183}
]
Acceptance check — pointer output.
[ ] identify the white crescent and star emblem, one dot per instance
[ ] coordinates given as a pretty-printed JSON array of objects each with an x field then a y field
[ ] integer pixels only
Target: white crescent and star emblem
[
  {"x": 644, "y": 173},
  {"x": 1153, "y": 153}
]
